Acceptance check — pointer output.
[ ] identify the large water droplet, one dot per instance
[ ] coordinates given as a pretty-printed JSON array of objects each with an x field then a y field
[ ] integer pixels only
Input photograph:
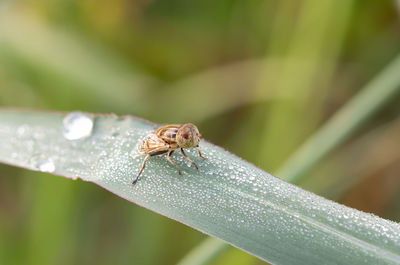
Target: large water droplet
[
  {"x": 46, "y": 166},
  {"x": 77, "y": 125}
]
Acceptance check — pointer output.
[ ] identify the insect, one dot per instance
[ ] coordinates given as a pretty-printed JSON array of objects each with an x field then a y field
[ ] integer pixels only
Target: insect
[{"x": 167, "y": 139}]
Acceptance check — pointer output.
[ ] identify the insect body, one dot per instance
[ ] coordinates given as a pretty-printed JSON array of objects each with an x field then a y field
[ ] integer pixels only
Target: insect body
[{"x": 167, "y": 139}]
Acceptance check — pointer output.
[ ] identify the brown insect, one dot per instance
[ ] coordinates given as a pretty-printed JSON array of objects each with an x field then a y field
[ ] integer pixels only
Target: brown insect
[{"x": 167, "y": 139}]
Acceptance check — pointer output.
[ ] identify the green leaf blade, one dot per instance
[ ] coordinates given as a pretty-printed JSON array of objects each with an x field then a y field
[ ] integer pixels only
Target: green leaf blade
[{"x": 228, "y": 198}]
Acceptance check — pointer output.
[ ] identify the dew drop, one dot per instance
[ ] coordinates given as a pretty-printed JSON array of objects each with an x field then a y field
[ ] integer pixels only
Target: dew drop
[
  {"x": 46, "y": 166},
  {"x": 22, "y": 130},
  {"x": 77, "y": 125}
]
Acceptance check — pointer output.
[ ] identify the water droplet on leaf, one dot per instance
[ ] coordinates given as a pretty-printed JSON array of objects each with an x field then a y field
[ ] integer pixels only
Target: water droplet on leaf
[
  {"x": 46, "y": 166},
  {"x": 77, "y": 125}
]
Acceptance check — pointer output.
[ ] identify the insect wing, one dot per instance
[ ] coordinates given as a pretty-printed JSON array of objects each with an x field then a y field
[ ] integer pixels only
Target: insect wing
[
  {"x": 168, "y": 133},
  {"x": 152, "y": 143}
]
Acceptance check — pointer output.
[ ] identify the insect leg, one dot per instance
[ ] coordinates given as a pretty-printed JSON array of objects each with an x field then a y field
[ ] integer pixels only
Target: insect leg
[
  {"x": 190, "y": 160},
  {"x": 172, "y": 162},
  {"x": 141, "y": 170},
  {"x": 198, "y": 150}
]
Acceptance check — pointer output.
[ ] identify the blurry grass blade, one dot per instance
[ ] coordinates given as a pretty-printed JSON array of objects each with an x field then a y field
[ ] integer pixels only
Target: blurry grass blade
[
  {"x": 367, "y": 102},
  {"x": 43, "y": 247},
  {"x": 304, "y": 75},
  {"x": 228, "y": 198},
  {"x": 205, "y": 252},
  {"x": 361, "y": 160},
  {"x": 220, "y": 88},
  {"x": 61, "y": 57}
]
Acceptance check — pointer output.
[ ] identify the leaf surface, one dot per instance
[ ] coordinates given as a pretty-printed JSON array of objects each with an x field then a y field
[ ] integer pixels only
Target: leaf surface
[{"x": 228, "y": 198}]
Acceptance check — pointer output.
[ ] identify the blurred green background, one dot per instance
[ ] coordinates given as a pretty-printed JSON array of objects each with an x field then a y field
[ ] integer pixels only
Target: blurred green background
[{"x": 257, "y": 77}]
